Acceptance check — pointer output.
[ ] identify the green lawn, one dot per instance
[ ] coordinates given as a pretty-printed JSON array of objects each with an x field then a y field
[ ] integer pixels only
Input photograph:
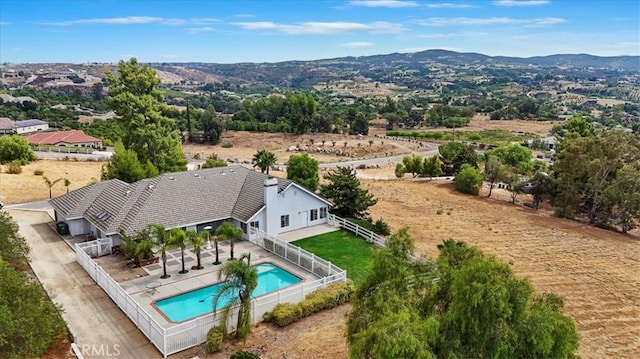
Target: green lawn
[{"x": 343, "y": 249}]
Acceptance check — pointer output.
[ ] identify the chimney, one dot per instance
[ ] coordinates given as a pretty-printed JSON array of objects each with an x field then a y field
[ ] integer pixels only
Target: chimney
[
  {"x": 270, "y": 189},
  {"x": 272, "y": 212}
]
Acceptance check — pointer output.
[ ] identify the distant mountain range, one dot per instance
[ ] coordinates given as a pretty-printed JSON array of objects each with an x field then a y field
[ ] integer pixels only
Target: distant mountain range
[
  {"x": 417, "y": 65},
  {"x": 628, "y": 63}
]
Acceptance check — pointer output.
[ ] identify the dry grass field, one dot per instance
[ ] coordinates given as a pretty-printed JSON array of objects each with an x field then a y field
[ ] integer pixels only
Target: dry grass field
[{"x": 26, "y": 187}]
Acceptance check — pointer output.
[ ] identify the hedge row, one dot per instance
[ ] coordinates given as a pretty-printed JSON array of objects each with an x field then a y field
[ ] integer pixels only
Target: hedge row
[{"x": 326, "y": 298}]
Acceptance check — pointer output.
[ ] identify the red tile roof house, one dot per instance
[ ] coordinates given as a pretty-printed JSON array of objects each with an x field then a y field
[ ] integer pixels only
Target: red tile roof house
[{"x": 64, "y": 138}]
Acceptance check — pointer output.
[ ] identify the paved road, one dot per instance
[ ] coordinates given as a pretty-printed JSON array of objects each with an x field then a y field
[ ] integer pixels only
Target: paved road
[
  {"x": 99, "y": 327},
  {"x": 381, "y": 161}
]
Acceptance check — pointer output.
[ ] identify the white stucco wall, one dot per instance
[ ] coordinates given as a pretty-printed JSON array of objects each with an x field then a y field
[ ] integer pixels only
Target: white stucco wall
[
  {"x": 296, "y": 203},
  {"x": 29, "y": 129},
  {"x": 77, "y": 226}
]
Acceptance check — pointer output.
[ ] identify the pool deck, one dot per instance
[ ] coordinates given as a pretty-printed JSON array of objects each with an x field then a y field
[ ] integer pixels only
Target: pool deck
[{"x": 179, "y": 283}]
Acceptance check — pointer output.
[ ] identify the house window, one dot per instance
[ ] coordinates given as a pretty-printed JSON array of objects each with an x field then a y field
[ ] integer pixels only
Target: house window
[
  {"x": 255, "y": 224},
  {"x": 244, "y": 227},
  {"x": 313, "y": 214},
  {"x": 284, "y": 221},
  {"x": 323, "y": 212}
]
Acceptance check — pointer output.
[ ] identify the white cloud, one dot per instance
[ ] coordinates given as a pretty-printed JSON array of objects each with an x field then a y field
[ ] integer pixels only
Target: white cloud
[
  {"x": 135, "y": 20},
  {"x": 323, "y": 28},
  {"x": 384, "y": 3},
  {"x": 127, "y": 20},
  {"x": 196, "y": 30},
  {"x": 448, "y": 5},
  {"x": 3, "y": 23},
  {"x": 244, "y": 15},
  {"x": 627, "y": 45},
  {"x": 173, "y": 22},
  {"x": 358, "y": 44},
  {"x": 511, "y": 3},
  {"x": 452, "y": 34},
  {"x": 464, "y": 21}
]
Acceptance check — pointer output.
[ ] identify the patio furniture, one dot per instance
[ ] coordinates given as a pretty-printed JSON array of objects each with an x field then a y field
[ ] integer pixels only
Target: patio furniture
[{"x": 153, "y": 287}]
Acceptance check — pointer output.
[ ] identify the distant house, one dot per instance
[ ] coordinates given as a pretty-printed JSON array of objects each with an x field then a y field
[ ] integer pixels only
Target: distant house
[
  {"x": 7, "y": 126},
  {"x": 75, "y": 138},
  {"x": 550, "y": 142},
  {"x": 29, "y": 126},
  {"x": 191, "y": 200}
]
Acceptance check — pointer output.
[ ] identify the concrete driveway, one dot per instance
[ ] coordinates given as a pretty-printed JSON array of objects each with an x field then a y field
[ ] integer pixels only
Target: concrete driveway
[{"x": 100, "y": 329}]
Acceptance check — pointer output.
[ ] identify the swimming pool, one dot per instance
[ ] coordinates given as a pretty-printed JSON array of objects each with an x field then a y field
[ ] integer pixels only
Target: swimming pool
[{"x": 195, "y": 303}]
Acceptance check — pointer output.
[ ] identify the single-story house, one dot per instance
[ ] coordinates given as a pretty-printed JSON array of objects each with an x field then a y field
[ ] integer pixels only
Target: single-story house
[
  {"x": 191, "y": 200},
  {"x": 64, "y": 138},
  {"x": 7, "y": 126},
  {"x": 28, "y": 126}
]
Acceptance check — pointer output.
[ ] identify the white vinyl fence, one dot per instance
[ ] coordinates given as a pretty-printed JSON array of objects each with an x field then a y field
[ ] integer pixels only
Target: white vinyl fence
[
  {"x": 368, "y": 235},
  {"x": 178, "y": 337}
]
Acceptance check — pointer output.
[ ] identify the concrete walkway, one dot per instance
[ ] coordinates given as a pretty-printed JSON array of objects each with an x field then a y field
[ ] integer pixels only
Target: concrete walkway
[
  {"x": 307, "y": 232},
  {"x": 100, "y": 329}
]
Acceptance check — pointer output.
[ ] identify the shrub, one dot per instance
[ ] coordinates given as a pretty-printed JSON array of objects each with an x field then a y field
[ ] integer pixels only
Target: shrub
[
  {"x": 196, "y": 156},
  {"x": 468, "y": 180},
  {"x": 400, "y": 170},
  {"x": 244, "y": 355},
  {"x": 14, "y": 168},
  {"x": 213, "y": 162},
  {"x": 439, "y": 212},
  {"x": 474, "y": 137},
  {"x": 286, "y": 313},
  {"x": 215, "y": 336},
  {"x": 15, "y": 148},
  {"x": 227, "y": 145},
  {"x": 381, "y": 227},
  {"x": 38, "y": 172}
]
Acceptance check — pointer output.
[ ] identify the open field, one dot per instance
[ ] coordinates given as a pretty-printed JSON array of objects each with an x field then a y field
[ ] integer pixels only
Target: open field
[
  {"x": 480, "y": 122},
  {"x": 245, "y": 144},
  {"x": 27, "y": 187}
]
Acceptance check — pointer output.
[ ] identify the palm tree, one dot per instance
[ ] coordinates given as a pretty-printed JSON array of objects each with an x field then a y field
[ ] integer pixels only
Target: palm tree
[
  {"x": 179, "y": 239},
  {"x": 264, "y": 159},
  {"x": 240, "y": 280},
  {"x": 228, "y": 232},
  {"x": 67, "y": 183},
  {"x": 215, "y": 241},
  {"x": 162, "y": 241},
  {"x": 50, "y": 184},
  {"x": 197, "y": 239}
]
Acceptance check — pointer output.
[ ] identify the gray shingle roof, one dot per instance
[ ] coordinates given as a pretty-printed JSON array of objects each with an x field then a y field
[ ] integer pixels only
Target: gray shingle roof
[
  {"x": 172, "y": 199},
  {"x": 75, "y": 203}
]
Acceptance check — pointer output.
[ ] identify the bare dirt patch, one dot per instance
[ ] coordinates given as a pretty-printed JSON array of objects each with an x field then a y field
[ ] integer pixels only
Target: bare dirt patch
[
  {"x": 245, "y": 144},
  {"x": 317, "y": 337},
  {"x": 26, "y": 187}
]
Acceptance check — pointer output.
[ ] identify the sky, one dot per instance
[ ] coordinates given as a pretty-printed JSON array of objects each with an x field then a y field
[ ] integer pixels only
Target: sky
[{"x": 270, "y": 31}]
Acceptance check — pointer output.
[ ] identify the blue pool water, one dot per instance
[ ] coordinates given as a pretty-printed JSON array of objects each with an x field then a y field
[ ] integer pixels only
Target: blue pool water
[{"x": 187, "y": 305}]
